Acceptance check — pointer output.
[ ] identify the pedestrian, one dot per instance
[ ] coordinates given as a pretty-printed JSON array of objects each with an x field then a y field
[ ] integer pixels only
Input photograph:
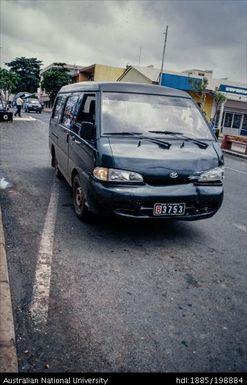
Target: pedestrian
[{"x": 19, "y": 103}]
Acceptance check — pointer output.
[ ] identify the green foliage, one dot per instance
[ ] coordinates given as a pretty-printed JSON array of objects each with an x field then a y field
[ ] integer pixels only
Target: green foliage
[
  {"x": 28, "y": 70},
  {"x": 54, "y": 79},
  {"x": 199, "y": 86},
  {"x": 8, "y": 82},
  {"x": 219, "y": 98}
]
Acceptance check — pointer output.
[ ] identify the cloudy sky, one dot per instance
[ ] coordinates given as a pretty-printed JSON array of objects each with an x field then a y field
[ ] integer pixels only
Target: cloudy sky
[{"x": 205, "y": 34}]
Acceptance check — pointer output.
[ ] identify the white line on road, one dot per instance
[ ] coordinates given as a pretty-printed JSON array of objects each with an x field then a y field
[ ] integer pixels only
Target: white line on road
[
  {"x": 41, "y": 289},
  {"x": 233, "y": 169},
  {"x": 240, "y": 227},
  {"x": 25, "y": 119}
]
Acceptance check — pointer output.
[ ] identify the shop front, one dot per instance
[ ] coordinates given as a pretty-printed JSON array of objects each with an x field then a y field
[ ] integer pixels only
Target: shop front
[{"x": 234, "y": 110}]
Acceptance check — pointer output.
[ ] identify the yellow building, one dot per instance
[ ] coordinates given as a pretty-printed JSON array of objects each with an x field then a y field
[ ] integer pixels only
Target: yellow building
[
  {"x": 208, "y": 103},
  {"x": 98, "y": 72}
]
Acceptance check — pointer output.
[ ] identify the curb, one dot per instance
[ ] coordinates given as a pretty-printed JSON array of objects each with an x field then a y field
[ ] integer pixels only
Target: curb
[
  {"x": 231, "y": 152},
  {"x": 8, "y": 357},
  {"x": 237, "y": 154}
]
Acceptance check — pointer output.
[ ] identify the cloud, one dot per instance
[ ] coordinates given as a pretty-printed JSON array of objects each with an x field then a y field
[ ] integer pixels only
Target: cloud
[{"x": 205, "y": 34}]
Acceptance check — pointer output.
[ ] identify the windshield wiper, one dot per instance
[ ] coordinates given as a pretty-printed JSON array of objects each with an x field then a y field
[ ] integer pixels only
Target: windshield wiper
[
  {"x": 122, "y": 133},
  {"x": 182, "y": 136},
  {"x": 157, "y": 141},
  {"x": 140, "y": 136}
]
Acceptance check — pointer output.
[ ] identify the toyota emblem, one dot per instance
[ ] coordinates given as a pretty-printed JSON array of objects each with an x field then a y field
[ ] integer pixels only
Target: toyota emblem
[{"x": 173, "y": 174}]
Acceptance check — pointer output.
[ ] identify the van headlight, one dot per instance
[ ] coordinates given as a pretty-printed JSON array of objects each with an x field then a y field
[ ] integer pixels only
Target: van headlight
[
  {"x": 214, "y": 175},
  {"x": 115, "y": 175}
]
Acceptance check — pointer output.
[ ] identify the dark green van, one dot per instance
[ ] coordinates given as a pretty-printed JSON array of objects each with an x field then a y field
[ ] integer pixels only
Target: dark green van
[{"x": 136, "y": 151}]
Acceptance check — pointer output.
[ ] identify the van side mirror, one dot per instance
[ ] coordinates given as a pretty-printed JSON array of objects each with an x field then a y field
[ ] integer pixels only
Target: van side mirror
[{"x": 87, "y": 130}]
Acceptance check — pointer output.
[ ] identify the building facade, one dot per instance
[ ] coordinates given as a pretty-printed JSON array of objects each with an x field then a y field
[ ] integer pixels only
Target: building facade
[
  {"x": 232, "y": 116},
  {"x": 98, "y": 72}
]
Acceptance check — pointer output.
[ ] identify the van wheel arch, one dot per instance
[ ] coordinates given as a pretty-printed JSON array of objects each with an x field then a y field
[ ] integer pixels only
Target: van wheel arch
[
  {"x": 54, "y": 164},
  {"x": 74, "y": 173},
  {"x": 79, "y": 199}
]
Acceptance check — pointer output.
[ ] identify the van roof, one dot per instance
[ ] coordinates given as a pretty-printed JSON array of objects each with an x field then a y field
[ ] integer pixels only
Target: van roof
[{"x": 141, "y": 88}]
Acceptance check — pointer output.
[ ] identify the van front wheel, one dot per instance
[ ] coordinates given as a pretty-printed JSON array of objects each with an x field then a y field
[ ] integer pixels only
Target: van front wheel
[{"x": 80, "y": 207}]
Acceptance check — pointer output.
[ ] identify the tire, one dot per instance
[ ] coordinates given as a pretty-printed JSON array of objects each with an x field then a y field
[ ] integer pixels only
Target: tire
[
  {"x": 80, "y": 207},
  {"x": 58, "y": 173}
]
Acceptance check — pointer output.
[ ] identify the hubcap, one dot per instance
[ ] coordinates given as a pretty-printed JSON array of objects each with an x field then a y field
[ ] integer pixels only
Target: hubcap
[{"x": 78, "y": 196}]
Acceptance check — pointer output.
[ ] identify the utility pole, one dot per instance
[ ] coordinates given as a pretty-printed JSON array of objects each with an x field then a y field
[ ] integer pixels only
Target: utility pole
[
  {"x": 163, "y": 55},
  {"x": 140, "y": 55}
]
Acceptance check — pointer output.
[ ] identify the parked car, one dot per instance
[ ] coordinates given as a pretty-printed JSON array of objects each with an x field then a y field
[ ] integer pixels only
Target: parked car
[
  {"x": 5, "y": 114},
  {"x": 136, "y": 151},
  {"x": 32, "y": 105}
]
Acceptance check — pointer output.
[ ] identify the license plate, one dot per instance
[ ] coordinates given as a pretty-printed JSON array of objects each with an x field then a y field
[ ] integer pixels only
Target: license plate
[{"x": 169, "y": 209}]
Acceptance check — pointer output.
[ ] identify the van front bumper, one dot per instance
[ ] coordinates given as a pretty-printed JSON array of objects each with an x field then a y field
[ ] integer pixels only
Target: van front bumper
[{"x": 138, "y": 201}]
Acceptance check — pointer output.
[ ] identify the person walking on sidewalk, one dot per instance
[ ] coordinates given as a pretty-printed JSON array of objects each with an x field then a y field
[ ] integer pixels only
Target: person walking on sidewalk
[{"x": 19, "y": 103}]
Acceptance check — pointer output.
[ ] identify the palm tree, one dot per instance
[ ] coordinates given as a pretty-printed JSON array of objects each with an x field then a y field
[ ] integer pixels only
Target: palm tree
[{"x": 219, "y": 99}]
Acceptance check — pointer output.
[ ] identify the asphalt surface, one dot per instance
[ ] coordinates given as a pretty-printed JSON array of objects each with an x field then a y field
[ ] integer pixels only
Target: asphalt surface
[{"x": 124, "y": 297}]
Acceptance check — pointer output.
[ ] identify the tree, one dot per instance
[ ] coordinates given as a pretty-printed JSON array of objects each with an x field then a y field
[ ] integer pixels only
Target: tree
[
  {"x": 28, "y": 70},
  {"x": 199, "y": 86},
  {"x": 54, "y": 79},
  {"x": 8, "y": 82},
  {"x": 219, "y": 99}
]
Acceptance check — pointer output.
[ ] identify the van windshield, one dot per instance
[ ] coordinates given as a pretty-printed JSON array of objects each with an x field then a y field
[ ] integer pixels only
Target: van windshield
[{"x": 151, "y": 114}]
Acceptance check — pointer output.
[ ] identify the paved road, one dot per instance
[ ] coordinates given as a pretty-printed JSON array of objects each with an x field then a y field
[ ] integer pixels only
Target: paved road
[
  {"x": 123, "y": 296},
  {"x": 43, "y": 117}
]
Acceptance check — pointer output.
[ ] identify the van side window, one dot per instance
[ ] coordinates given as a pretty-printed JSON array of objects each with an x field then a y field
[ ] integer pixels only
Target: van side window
[
  {"x": 69, "y": 111},
  {"x": 57, "y": 112},
  {"x": 86, "y": 112}
]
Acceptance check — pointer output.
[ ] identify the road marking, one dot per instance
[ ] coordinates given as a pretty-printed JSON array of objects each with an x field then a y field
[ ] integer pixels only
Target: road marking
[
  {"x": 240, "y": 227},
  {"x": 233, "y": 169},
  {"x": 41, "y": 289},
  {"x": 25, "y": 119}
]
